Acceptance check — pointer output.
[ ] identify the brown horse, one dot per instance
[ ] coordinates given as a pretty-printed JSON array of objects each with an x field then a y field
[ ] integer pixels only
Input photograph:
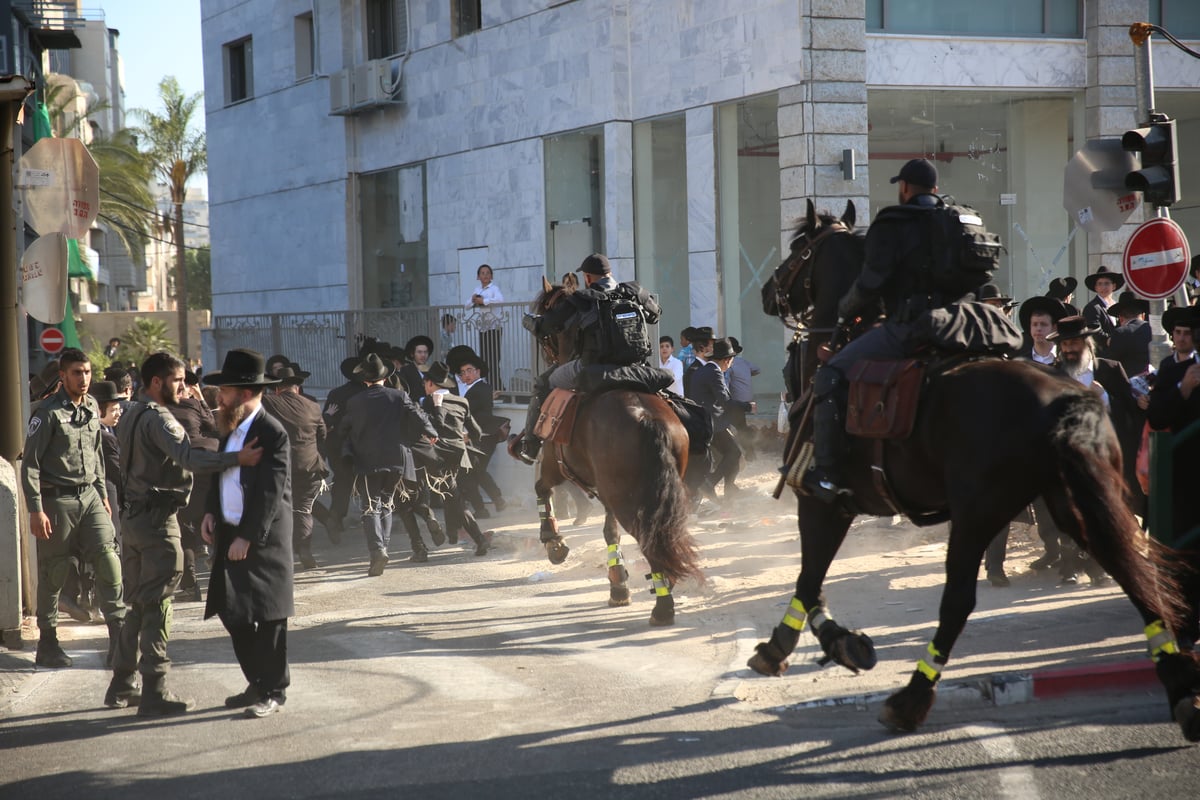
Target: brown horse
[
  {"x": 990, "y": 436},
  {"x": 630, "y": 450}
]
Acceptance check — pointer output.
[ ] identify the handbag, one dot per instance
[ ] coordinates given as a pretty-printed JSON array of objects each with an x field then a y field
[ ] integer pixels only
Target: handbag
[{"x": 781, "y": 419}]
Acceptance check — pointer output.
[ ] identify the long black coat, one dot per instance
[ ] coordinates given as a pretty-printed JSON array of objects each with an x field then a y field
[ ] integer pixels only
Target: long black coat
[
  {"x": 305, "y": 427},
  {"x": 258, "y": 589},
  {"x": 1130, "y": 345}
]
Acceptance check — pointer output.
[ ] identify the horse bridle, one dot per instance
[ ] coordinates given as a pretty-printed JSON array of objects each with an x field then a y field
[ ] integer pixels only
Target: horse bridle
[
  {"x": 784, "y": 287},
  {"x": 546, "y": 341}
]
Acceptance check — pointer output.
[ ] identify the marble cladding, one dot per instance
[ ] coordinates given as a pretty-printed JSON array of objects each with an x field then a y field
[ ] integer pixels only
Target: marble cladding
[
  {"x": 855, "y": 9},
  {"x": 702, "y": 276},
  {"x": 618, "y": 191},
  {"x": 839, "y": 34},
  {"x": 701, "y": 181},
  {"x": 951, "y": 62}
]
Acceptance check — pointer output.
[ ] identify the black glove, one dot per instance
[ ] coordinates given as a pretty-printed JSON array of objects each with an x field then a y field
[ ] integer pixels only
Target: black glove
[{"x": 852, "y": 302}]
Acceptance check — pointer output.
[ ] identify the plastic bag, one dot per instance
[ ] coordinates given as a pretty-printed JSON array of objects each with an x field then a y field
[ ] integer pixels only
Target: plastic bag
[{"x": 781, "y": 419}]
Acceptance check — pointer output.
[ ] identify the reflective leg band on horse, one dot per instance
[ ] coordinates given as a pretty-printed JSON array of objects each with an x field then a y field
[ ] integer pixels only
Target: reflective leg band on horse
[
  {"x": 546, "y": 515},
  {"x": 615, "y": 559},
  {"x": 932, "y": 673},
  {"x": 818, "y": 617},
  {"x": 1160, "y": 640},
  {"x": 658, "y": 584},
  {"x": 796, "y": 617}
]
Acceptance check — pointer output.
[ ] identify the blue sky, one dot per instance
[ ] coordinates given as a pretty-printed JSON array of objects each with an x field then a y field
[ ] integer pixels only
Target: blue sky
[{"x": 158, "y": 38}]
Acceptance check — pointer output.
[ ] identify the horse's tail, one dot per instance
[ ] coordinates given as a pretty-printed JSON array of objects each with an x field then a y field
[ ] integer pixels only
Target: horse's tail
[
  {"x": 661, "y": 526},
  {"x": 1094, "y": 499}
]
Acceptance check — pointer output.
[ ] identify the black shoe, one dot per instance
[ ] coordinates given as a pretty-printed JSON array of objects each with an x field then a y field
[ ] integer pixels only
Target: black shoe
[
  {"x": 481, "y": 547},
  {"x": 1045, "y": 562},
  {"x": 823, "y": 485},
  {"x": 1068, "y": 579},
  {"x": 379, "y": 560},
  {"x": 51, "y": 655},
  {"x": 245, "y": 699},
  {"x": 123, "y": 692},
  {"x": 997, "y": 578},
  {"x": 163, "y": 704},
  {"x": 435, "y": 531},
  {"x": 1100, "y": 579},
  {"x": 483, "y": 513},
  {"x": 190, "y": 595},
  {"x": 452, "y": 537},
  {"x": 307, "y": 561},
  {"x": 419, "y": 556},
  {"x": 263, "y": 708},
  {"x": 72, "y": 609}
]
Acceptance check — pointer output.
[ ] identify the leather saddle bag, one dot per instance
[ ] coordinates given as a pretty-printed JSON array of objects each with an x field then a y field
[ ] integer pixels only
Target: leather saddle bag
[
  {"x": 884, "y": 396},
  {"x": 556, "y": 422}
]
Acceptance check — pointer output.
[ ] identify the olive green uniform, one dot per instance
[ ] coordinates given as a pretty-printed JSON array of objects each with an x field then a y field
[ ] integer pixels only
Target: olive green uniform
[
  {"x": 158, "y": 461},
  {"x": 62, "y": 474}
]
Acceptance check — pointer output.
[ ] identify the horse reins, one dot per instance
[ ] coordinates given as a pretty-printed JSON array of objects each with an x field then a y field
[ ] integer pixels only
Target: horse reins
[{"x": 796, "y": 260}]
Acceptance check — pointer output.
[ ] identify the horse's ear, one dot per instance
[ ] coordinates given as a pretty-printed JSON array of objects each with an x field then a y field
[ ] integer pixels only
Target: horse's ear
[
  {"x": 850, "y": 215},
  {"x": 546, "y": 287},
  {"x": 810, "y": 217}
]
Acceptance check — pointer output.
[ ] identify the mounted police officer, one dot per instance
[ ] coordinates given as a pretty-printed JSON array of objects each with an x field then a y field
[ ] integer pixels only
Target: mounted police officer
[
  {"x": 158, "y": 461},
  {"x": 600, "y": 341},
  {"x": 899, "y": 251}
]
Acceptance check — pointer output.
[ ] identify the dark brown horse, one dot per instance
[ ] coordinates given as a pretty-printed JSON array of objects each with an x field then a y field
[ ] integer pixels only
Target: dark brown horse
[
  {"x": 630, "y": 450},
  {"x": 991, "y": 435}
]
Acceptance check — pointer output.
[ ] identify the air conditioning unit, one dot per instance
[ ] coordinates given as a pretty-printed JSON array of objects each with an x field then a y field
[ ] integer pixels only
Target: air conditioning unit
[
  {"x": 377, "y": 83},
  {"x": 339, "y": 93}
]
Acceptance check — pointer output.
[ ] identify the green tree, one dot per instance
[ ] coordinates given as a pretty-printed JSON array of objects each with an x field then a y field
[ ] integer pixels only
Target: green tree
[
  {"x": 125, "y": 196},
  {"x": 199, "y": 276},
  {"x": 177, "y": 154},
  {"x": 142, "y": 339}
]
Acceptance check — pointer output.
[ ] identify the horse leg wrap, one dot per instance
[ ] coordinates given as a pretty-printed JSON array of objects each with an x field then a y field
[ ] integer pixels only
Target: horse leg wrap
[
  {"x": 659, "y": 586},
  {"x": 618, "y": 592},
  {"x": 1160, "y": 640},
  {"x": 853, "y": 650},
  {"x": 906, "y": 710},
  {"x": 770, "y": 657},
  {"x": 664, "y": 603},
  {"x": 931, "y": 670}
]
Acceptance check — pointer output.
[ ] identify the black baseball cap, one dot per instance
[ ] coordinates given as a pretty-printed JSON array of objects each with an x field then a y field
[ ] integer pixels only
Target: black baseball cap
[
  {"x": 919, "y": 171},
  {"x": 595, "y": 264}
]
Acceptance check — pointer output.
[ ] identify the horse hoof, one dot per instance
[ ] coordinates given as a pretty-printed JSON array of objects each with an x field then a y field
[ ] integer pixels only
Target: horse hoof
[
  {"x": 556, "y": 551},
  {"x": 1187, "y": 714},
  {"x": 893, "y": 721},
  {"x": 765, "y": 666},
  {"x": 664, "y": 621},
  {"x": 618, "y": 596},
  {"x": 906, "y": 710},
  {"x": 855, "y": 651}
]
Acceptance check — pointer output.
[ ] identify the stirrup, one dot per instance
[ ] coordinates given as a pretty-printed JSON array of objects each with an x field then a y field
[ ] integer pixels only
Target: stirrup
[
  {"x": 528, "y": 449},
  {"x": 818, "y": 484}
]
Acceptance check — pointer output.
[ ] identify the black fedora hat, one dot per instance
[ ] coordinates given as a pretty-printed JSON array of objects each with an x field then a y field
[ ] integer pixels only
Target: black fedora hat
[
  {"x": 242, "y": 367},
  {"x": 439, "y": 375},
  {"x": 104, "y": 392},
  {"x": 275, "y": 362},
  {"x": 347, "y": 367},
  {"x": 459, "y": 355},
  {"x": 702, "y": 334},
  {"x": 1056, "y": 308},
  {"x": 722, "y": 348},
  {"x": 1129, "y": 303},
  {"x": 1075, "y": 327},
  {"x": 372, "y": 368},
  {"x": 990, "y": 291},
  {"x": 737, "y": 346},
  {"x": 1104, "y": 272},
  {"x": 289, "y": 377},
  {"x": 1180, "y": 316},
  {"x": 1062, "y": 288},
  {"x": 412, "y": 343}
]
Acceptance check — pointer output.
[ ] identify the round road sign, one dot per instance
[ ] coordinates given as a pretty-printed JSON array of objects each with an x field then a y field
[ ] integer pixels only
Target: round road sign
[
  {"x": 1156, "y": 258},
  {"x": 52, "y": 340}
]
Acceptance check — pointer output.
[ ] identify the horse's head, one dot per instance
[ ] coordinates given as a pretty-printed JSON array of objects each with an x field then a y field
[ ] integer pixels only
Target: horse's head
[
  {"x": 558, "y": 347},
  {"x": 826, "y": 255}
]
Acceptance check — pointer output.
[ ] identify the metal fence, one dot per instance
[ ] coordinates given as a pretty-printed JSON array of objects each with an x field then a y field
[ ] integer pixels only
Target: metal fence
[{"x": 319, "y": 340}]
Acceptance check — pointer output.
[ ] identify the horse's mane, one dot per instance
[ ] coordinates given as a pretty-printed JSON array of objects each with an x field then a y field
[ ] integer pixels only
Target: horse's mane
[{"x": 823, "y": 219}]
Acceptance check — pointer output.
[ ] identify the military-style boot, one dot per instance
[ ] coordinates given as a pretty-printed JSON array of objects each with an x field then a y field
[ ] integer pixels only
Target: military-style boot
[
  {"x": 49, "y": 654},
  {"x": 823, "y": 479},
  {"x": 530, "y": 444},
  {"x": 123, "y": 690},
  {"x": 156, "y": 701}
]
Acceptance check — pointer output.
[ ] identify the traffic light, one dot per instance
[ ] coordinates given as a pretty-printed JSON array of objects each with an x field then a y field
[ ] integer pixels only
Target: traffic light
[{"x": 1158, "y": 178}]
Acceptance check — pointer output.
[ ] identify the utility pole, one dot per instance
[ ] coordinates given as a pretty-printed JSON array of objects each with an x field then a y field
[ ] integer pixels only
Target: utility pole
[{"x": 181, "y": 283}]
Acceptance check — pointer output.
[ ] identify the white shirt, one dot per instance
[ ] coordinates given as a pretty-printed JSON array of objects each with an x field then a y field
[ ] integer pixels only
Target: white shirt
[
  {"x": 463, "y": 387},
  {"x": 488, "y": 320},
  {"x": 1050, "y": 359},
  {"x": 232, "y": 502},
  {"x": 675, "y": 367}
]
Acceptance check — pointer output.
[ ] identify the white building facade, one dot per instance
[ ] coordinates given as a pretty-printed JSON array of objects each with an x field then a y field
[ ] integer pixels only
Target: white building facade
[{"x": 370, "y": 154}]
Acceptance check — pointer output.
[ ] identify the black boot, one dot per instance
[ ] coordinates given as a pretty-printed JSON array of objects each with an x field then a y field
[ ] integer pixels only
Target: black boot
[
  {"x": 823, "y": 479},
  {"x": 156, "y": 701},
  {"x": 123, "y": 690},
  {"x": 49, "y": 654},
  {"x": 531, "y": 444},
  {"x": 114, "y": 636}
]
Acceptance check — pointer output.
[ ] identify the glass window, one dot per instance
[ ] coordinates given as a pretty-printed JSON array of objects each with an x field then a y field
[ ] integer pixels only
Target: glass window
[
  {"x": 1180, "y": 17},
  {"x": 305, "y": 45},
  {"x": 468, "y": 16},
  {"x": 387, "y": 28},
  {"x": 574, "y": 204},
  {"x": 395, "y": 247},
  {"x": 977, "y": 17},
  {"x": 239, "y": 70},
  {"x": 661, "y": 218},
  {"x": 748, "y": 216}
]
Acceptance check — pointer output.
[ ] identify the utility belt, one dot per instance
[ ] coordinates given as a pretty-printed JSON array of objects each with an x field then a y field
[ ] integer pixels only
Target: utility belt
[
  {"x": 51, "y": 490},
  {"x": 159, "y": 508}
]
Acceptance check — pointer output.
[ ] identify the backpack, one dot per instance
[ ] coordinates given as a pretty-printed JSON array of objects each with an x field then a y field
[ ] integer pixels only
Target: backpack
[
  {"x": 965, "y": 254},
  {"x": 621, "y": 334}
]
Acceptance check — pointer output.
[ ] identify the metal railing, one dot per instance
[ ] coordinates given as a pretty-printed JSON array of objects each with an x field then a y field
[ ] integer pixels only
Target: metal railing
[{"x": 320, "y": 340}]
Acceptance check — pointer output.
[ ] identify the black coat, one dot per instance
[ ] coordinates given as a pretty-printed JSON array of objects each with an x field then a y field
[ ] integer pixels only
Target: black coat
[
  {"x": 380, "y": 427},
  {"x": 455, "y": 425},
  {"x": 708, "y": 388},
  {"x": 259, "y": 588},
  {"x": 305, "y": 427},
  {"x": 1168, "y": 409},
  {"x": 333, "y": 411},
  {"x": 1096, "y": 314},
  {"x": 1130, "y": 345},
  {"x": 479, "y": 397}
]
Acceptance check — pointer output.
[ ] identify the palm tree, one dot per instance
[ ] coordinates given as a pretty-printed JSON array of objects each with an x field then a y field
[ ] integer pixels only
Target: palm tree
[
  {"x": 144, "y": 338},
  {"x": 176, "y": 154},
  {"x": 125, "y": 196}
]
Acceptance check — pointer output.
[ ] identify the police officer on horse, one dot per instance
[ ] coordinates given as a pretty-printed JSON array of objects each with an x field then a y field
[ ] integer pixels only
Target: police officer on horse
[{"x": 611, "y": 319}]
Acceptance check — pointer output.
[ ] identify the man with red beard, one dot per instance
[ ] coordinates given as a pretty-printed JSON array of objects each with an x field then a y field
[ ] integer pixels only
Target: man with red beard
[
  {"x": 249, "y": 524},
  {"x": 157, "y": 465}
]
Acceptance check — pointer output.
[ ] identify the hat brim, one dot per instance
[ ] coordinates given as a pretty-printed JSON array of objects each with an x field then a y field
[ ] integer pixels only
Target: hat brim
[
  {"x": 1180, "y": 316},
  {"x": 221, "y": 379},
  {"x": 1080, "y": 334},
  {"x": 361, "y": 374},
  {"x": 347, "y": 367},
  {"x": 1117, "y": 278},
  {"x": 1056, "y": 308}
]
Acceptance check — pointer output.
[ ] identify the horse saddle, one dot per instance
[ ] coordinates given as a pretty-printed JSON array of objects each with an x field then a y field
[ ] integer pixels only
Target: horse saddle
[
  {"x": 884, "y": 396},
  {"x": 556, "y": 422}
]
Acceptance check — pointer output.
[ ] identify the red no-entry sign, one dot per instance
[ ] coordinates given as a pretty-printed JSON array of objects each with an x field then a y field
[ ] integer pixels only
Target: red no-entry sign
[
  {"x": 52, "y": 340},
  {"x": 1156, "y": 258}
]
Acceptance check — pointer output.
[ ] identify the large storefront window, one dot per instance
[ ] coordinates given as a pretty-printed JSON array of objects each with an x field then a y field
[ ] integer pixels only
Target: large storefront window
[
  {"x": 748, "y": 218},
  {"x": 574, "y": 207},
  {"x": 661, "y": 213},
  {"x": 395, "y": 246},
  {"x": 1180, "y": 17},
  {"x": 977, "y": 17},
  {"x": 1003, "y": 154}
]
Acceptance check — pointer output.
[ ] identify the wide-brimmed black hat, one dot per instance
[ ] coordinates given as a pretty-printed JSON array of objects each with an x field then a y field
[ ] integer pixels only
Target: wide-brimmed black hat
[
  {"x": 722, "y": 348},
  {"x": 289, "y": 377},
  {"x": 439, "y": 375},
  {"x": 1072, "y": 328},
  {"x": 737, "y": 346},
  {"x": 1057, "y": 309},
  {"x": 372, "y": 368},
  {"x": 459, "y": 355},
  {"x": 990, "y": 291},
  {"x": 300, "y": 373},
  {"x": 702, "y": 334},
  {"x": 242, "y": 367},
  {"x": 104, "y": 392},
  {"x": 1104, "y": 272},
  {"x": 1177, "y": 316},
  {"x": 1129, "y": 303},
  {"x": 416, "y": 340},
  {"x": 1062, "y": 288},
  {"x": 347, "y": 367},
  {"x": 595, "y": 264},
  {"x": 275, "y": 362}
]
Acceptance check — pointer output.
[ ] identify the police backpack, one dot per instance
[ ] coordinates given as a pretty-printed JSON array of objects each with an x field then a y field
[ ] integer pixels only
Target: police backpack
[
  {"x": 965, "y": 254},
  {"x": 622, "y": 335}
]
